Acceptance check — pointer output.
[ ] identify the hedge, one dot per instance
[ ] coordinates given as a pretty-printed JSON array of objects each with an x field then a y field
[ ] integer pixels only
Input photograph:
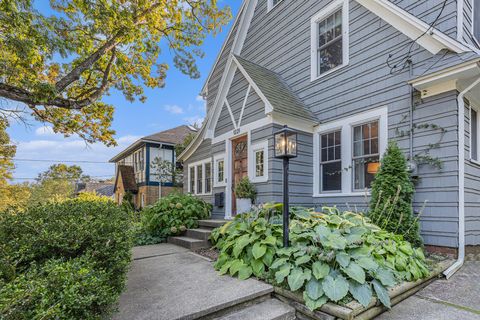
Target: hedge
[{"x": 63, "y": 260}]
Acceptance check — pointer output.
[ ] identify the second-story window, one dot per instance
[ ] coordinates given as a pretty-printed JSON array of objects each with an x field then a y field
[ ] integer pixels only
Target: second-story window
[
  {"x": 330, "y": 39},
  {"x": 272, "y": 3}
]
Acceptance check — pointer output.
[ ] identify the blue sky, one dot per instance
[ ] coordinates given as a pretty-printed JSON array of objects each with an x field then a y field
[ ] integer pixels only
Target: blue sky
[{"x": 178, "y": 103}]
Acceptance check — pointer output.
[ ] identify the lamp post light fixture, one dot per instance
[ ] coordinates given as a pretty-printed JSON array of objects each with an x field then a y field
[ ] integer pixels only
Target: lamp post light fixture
[{"x": 286, "y": 149}]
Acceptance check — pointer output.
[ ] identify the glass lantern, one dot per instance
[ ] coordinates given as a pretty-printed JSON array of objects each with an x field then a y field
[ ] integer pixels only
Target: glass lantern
[{"x": 286, "y": 143}]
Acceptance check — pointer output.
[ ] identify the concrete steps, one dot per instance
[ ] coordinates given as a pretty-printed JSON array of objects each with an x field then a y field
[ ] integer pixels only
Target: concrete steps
[
  {"x": 270, "y": 309},
  {"x": 194, "y": 239}
]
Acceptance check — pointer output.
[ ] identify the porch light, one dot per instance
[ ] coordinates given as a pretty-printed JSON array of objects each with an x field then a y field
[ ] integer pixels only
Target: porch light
[
  {"x": 373, "y": 167},
  {"x": 286, "y": 149},
  {"x": 286, "y": 143}
]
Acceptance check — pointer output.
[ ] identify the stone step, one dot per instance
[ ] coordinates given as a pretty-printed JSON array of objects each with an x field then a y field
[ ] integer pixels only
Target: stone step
[
  {"x": 211, "y": 224},
  {"x": 201, "y": 234},
  {"x": 271, "y": 309},
  {"x": 189, "y": 243}
]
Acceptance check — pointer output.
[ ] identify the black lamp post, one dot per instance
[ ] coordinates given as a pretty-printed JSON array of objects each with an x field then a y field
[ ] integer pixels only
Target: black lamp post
[{"x": 285, "y": 148}]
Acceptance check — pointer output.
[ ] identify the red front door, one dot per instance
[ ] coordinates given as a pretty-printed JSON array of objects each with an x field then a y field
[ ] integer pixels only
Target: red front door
[{"x": 240, "y": 165}]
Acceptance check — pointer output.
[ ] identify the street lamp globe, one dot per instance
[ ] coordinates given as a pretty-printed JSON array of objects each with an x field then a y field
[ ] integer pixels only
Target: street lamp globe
[{"x": 286, "y": 143}]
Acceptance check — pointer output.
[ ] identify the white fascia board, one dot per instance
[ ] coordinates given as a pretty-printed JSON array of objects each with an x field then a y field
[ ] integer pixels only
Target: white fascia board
[
  {"x": 432, "y": 40},
  {"x": 217, "y": 59},
  {"x": 462, "y": 71}
]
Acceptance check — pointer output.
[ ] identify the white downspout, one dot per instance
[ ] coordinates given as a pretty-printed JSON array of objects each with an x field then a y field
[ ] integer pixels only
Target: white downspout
[{"x": 461, "y": 182}]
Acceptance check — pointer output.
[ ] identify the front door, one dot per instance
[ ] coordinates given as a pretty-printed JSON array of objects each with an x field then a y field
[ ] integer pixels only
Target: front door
[{"x": 240, "y": 165}]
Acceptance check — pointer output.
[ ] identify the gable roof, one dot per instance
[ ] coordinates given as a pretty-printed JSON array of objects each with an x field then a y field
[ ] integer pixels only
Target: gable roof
[
  {"x": 280, "y": 97},
  {"x": 127, "y": 175},
  {"x": 171, "y": 137},
  {"x": 430, "y": 38}
]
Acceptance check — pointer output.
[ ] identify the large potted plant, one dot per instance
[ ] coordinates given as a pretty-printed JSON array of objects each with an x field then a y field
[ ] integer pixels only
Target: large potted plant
[{"x": 245, "y": 194}]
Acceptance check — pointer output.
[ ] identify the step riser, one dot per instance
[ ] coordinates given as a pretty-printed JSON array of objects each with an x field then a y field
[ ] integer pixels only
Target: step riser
[
  {"x": 262, "y": 308},
  {"x": 189, "y": 245},
  {"x": 210, "y": 224},
  {"x": 195, "y": 234}
]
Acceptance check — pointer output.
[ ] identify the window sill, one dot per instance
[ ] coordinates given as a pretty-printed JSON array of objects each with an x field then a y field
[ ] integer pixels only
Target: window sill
[
  {"x": 259, "y": 180},
  {"x": 315, "y": 78},
  {"x": 476, "y": 162},
  {"x": 340, "y": 194},
  {"x": 220, "y": 185}
]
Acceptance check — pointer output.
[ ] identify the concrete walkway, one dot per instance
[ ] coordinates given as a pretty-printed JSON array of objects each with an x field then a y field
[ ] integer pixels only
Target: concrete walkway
[
  {"x": 456, "y": 298},
  {"x": 169, "y": 282}
]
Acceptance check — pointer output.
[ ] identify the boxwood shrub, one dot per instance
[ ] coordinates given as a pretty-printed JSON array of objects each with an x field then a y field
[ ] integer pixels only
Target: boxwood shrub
[
  {"x": 170, "y": 216},
  {"x": 65, "y": 260},
  {"x": 334, "y": 256}
]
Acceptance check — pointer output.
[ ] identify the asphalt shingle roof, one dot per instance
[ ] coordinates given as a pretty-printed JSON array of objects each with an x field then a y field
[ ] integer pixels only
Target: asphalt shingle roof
[
  {"x": 277, "y": 91},
  {"x": 174, "y": 136}
]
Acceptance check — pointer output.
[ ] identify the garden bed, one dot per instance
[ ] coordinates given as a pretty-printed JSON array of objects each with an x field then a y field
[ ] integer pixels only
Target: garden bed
[{"x": 353, "y": 310}]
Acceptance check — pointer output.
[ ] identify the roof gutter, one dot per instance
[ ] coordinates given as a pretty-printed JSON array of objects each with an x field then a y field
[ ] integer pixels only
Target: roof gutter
[{"x": 461, "y": 182}]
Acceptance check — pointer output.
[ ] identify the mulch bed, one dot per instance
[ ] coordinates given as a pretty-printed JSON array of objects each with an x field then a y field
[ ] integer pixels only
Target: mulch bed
[{"x": 210, "y": 253}]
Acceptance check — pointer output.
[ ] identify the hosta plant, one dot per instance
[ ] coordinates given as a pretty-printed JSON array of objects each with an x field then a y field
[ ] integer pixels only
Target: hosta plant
[{"x": 334, "y": 256}]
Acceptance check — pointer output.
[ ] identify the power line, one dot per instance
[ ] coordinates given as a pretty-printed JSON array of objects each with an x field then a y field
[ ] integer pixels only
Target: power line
[{"x": 58, "y": 161}]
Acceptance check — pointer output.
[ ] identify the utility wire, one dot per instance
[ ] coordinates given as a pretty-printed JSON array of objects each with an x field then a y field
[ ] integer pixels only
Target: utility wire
[{"x": 402, "y": 64}]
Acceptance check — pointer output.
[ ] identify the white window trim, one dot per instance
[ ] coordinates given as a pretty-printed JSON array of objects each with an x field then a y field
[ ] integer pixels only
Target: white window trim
[
  {"x": 270, "y": 5},
  {"x": 195, "y": 164},
  {"x": 346, "y": 125},
  {"x": 216, "y": 159},
  {"x": 261, "y": 146},
  {"x": 314, "y": 37},
  {"x": 477, "y": 109}
]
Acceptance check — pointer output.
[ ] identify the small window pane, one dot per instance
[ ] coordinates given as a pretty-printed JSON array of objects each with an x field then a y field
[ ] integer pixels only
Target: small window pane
[
  {"x": 221, "y": 171},
  {"x": 259, "y": 163},
  {"x": 199, "y": 179},
  {"x": 330, "y": 49},
  {"x": 332, "y": 176},
  {"x": 363, "y": 179},
  {"x": 476, "y": 19},
  {"x": 474, "y": 134},
  {"x": 208, "y": 177},
  {"x": 331, "y": 56},
  {"x": 192, "y": 179}
]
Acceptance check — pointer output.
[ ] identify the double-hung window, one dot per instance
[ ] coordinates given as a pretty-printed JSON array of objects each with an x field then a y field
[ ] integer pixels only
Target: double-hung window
[
  {"x": 474, "y": 134},
  {"x": 366, "y": 155},
  {"x": 329, "y": 39},
  {"x": 347, "y": 153},
  {"x": 258, "y": 171},
  {"x": 331, "y": 161},
  {"x": 200, "y": 177},
  {"x": 219, "y": 173}
]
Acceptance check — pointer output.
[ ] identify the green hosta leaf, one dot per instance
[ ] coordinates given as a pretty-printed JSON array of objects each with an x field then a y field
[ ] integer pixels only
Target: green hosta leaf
[
  {"x": 343, "y": 259},
  {"x": 258, "y": 267},
  {"x": 322, "y": 231},
  {"x": 400, "y": 263},
  {"x": 235, "y": 266},
  {"x": 287, "y": 251},
  {"x": 320, "y": 270},
  {"x": 245, "y": 272},
  {"x": 271, "y": 240},
  {"x": 268, "y": 257},
  {"x": 382, "y": 293},
  {"x": 303, "y": 259},
  {"x": 241, "y": 243},
  {"x": 352, "y": 238},
  {"x": 358, "y": 253},
  {"x": 314, "y": 304},
  {"x": 335, "y": 288},
  {"x": 419, "y": 254},
  {"x": 224, "y": 269},
  {"x": 302, "y": 214},
  {"x": 367, "y": 263},
  {"x": 278, "y": 263},
  {"x": 283, "y": 272},
  {"x": 314, "y": 289},
  {"x": 259, "y": 250},
  {"x": 361, "y": 292},
  {"x": 385, "y": 276},
  {"x": 355, "y": 272},
  {"x": 335, "y": 241},
  {"x": 295, "y": 279},
  {"x": 406, "y": 248}
]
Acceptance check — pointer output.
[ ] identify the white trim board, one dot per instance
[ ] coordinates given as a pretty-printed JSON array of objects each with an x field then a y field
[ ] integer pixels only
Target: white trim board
[
  {"x": 216, "y": 159},
  {"x": 431, "y": 39}
]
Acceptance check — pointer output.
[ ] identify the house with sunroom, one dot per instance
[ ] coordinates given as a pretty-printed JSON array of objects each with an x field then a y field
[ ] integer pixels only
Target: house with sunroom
[{"x": 348, "y": 75}]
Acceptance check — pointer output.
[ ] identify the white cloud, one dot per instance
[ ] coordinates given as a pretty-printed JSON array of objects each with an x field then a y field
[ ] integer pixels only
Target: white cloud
[
  {"x": 199, "y": 99},
  {"x": 68, "y": 149},
  {"x": 173, "y": 109},
  {"x": 45, "y": 131}
]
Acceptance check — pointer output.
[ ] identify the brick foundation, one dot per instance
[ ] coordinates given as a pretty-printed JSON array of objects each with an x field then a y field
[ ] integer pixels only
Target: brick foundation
[{"x": 150, "y": 194}]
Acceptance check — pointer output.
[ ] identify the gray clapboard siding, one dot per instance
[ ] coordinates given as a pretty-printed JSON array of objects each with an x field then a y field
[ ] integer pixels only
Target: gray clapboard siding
[{"x": 281, "y": 42}]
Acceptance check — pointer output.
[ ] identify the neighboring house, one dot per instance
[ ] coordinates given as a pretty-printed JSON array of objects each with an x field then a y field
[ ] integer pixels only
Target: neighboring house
[
  {"x": 101, "y": 188},
  {"x": 134, "y": 170},
  {"x": 349, "y": 76}
]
